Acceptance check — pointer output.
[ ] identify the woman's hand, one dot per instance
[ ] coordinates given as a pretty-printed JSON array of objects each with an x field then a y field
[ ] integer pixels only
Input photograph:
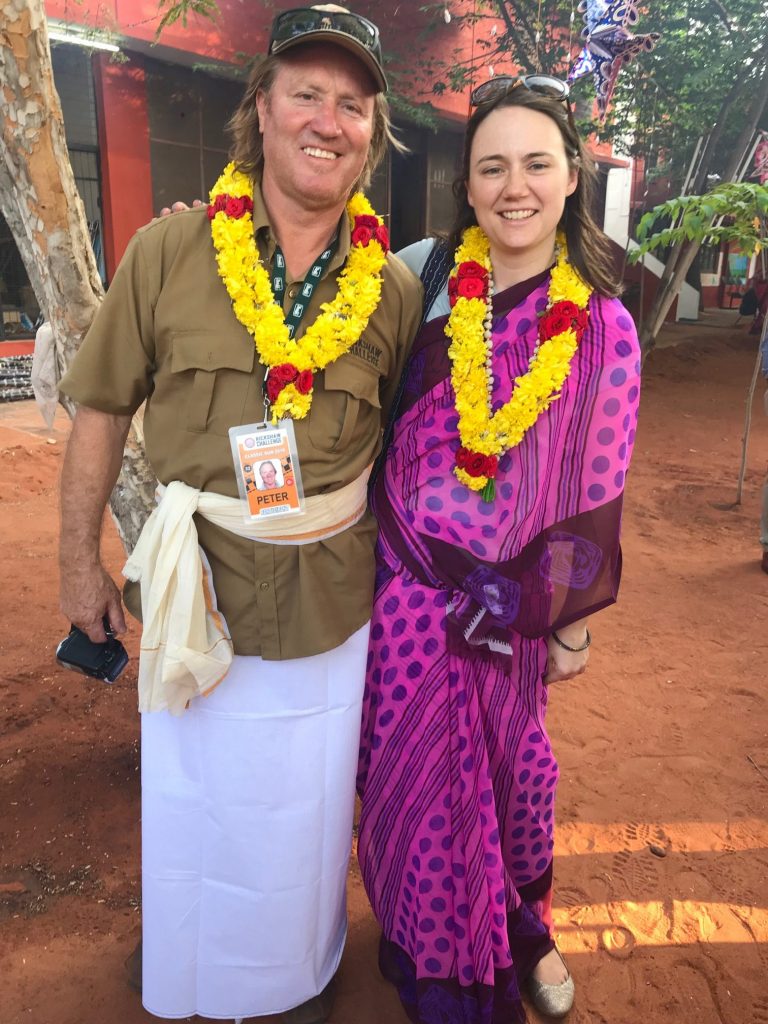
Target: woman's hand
[
  {"x": 179, "y": 207},
  {"x": 563, "y": 664}
]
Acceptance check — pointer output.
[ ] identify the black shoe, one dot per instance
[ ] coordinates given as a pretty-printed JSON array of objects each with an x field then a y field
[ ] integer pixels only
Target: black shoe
[
  {"x": 315, "y": 1011},
  {"x": 764, "y": 563}
]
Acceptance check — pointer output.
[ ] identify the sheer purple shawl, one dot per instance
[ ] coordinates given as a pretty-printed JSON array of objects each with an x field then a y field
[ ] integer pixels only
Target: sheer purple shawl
[{"x": 546, "y": 551}]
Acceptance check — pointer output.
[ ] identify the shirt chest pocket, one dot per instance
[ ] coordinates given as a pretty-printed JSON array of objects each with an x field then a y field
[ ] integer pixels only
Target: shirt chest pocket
[
  {"x": 348, "y": 403},
  {"x": 214, "y": 379}
]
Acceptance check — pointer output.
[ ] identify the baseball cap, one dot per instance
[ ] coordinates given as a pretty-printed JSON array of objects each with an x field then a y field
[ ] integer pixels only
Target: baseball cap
[{"x": 330, "y": 23}]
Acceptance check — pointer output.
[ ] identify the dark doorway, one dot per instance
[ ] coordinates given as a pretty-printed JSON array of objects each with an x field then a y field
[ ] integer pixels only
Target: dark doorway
[{"x": 409, "y": 173}]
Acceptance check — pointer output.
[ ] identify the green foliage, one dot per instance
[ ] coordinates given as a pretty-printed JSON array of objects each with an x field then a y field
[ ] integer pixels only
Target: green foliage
[
  {"x": 664, "y": 100},
  {"x": 708, "y": 51},
  {"x": 422, "y": 114},
  {"x": 732, "y": 212},
  {"x": 179, "y": 10}
]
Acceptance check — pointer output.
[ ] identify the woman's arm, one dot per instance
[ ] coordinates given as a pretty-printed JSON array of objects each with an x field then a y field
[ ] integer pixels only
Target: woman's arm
[{"x": 563, "y": 664}]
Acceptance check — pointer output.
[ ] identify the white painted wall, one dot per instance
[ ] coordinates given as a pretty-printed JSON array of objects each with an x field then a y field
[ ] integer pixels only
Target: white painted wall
[{"x": 617, "y": 197}]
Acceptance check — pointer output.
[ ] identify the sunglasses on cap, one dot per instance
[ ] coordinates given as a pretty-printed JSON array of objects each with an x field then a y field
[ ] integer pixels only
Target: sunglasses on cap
[
  {"x": 290, "y": 26},
  {"x": 547, "y": 85}
]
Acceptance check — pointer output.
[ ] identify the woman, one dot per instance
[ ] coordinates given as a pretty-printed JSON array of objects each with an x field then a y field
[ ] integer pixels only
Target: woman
[{"x": 499, "y": 525}]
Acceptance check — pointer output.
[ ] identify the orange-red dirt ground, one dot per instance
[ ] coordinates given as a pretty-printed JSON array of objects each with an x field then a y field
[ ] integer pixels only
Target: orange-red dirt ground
[{"x": 661, "y": 900}]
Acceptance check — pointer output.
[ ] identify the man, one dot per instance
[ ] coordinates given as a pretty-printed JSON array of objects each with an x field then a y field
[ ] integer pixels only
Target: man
[
  {"x": 247, "y": 792},
  {"x": 268, "y": 475}
]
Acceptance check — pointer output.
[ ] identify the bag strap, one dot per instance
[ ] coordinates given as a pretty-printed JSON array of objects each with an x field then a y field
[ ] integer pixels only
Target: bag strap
[
  {"x": 434, "y": 274},
  {"x": 434, "y": 277}
]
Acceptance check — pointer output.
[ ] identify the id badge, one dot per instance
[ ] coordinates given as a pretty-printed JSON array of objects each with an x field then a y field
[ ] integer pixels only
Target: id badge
[{"x": 267, "y": 470}]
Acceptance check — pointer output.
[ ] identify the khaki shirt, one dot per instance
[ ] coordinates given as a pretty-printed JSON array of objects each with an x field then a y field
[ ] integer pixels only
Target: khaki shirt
[{"x": 166, "y": 333}]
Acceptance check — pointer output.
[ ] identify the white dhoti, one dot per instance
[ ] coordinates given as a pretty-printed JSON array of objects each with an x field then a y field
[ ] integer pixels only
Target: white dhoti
[{"x": 247, "y": 805}]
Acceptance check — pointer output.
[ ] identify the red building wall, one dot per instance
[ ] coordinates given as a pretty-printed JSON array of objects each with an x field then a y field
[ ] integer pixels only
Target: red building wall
[
  {"x": 410, "y": 38},
  {"x": 126, "y": 178},
  {"x": 240, "y": 30}
]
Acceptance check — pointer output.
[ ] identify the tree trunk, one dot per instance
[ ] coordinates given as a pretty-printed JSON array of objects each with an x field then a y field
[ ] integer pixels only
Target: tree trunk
[
  {"x": 683, "y": 254},
  {"x": 40, "y": 202}
]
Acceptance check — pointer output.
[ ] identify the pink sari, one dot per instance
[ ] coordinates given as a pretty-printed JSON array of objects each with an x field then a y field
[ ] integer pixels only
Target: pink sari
[{"x": 457, "y": 776}]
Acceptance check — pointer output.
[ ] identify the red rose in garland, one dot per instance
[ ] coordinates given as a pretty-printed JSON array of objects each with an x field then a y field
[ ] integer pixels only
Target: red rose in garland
[
  {"x": 491, "y": 465},
  {"x": 475, "y": 463},
  {"x": 273, "y": 389},
  {"x": 472, "y": 269},
  {"x": 361, "y": 235},
  {"x": 553, "y": 323},
  {"x": 304, "y": 382},
  {"x": 471, "y": 287},
  {"x": 382, "y": 237},
  {"x": 285, "y": 373},
  {"x": 581, "y": 320},
  {"x": 364, "y": 220},
  {"x": 279, "y": 377},
  {"x": 461, "y": 457},
  {"x": 238, "y": 206},
  {"x": 219, "y": 204},
  {"x": 567, "y": 308}
]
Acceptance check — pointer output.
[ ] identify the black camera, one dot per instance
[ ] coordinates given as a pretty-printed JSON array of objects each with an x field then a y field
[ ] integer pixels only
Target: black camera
[{"x": 100, "y": 661}]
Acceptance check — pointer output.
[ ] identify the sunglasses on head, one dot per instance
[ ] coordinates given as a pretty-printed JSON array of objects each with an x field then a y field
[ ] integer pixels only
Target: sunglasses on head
[
  {"x": 546, "y": 85},
  {"x": 300, "y": 21}
]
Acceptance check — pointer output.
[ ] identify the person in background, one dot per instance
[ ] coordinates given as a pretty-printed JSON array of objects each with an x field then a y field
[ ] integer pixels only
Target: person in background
[
  {"x": 764, "y": 515},
  {"x": 499, "y": 508},
  {"x": 277, "y": 301}
]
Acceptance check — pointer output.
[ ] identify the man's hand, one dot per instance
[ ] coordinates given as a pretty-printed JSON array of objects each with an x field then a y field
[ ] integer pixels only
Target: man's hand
[
  {"x": 179, "y": 207},
  {"x": 91, "y": 467},
  {"x": 562, "y": 664},
  {"x": 88, "y": 594}
]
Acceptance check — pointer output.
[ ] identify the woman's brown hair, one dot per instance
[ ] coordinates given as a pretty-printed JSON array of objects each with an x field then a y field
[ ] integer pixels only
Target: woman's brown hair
[
  {"x": 588, "y": 246},
  {"x": 247, "y": 147}
]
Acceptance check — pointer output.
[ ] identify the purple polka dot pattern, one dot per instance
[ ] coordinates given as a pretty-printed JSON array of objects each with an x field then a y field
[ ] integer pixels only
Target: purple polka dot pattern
[
  {"x": 454, "y": 880},
  {"x": 606, "y": 435},
  {"x": 456, "y": 773}
]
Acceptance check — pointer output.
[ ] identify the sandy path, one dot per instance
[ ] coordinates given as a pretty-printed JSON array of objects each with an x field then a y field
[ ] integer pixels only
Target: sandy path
[{"x": 662, "y": 872}]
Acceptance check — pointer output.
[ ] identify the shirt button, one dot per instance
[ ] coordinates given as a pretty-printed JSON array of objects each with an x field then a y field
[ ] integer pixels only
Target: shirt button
[
  {"x": 292, "y": 292},
  {"x": 264, "y": 586}
]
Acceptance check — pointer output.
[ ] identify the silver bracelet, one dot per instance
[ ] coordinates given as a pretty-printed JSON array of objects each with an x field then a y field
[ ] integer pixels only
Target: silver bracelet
[{"x": 573, "y": 650}]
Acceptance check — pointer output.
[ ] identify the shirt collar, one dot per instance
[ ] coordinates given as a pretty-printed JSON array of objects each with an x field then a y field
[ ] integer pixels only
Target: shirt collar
[{"x": 266, "y": 238}]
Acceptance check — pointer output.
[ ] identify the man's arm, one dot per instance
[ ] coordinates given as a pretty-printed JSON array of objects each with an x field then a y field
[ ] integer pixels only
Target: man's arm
[{"x": 91, "y": 467}]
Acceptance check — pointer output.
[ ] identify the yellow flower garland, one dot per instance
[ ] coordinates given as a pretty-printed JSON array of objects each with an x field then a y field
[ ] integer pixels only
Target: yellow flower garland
[
  {"x": 340, "y": 323},
  {"x": 480, "y": 430}
]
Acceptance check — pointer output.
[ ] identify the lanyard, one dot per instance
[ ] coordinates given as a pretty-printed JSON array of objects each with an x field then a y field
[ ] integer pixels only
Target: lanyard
[{"x": 295, "y": 314}]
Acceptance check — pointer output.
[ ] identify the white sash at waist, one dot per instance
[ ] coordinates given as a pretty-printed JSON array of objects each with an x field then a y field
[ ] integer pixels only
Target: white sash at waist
[{"x": 186, "y": 649}]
